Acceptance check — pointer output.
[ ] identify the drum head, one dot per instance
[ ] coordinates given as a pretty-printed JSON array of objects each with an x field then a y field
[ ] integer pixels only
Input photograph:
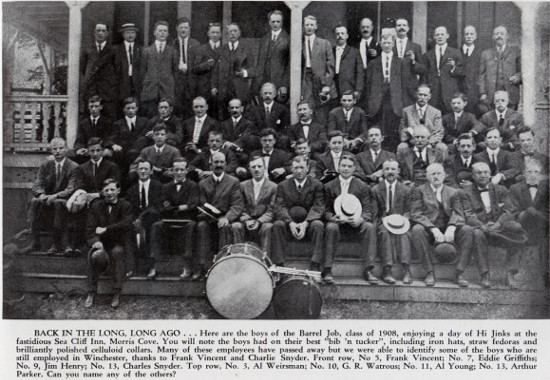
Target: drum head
[
  {"x": 297, "y": 297},
  {"x": 239, "y": 286},
  {"x": 244, "y": 248}
]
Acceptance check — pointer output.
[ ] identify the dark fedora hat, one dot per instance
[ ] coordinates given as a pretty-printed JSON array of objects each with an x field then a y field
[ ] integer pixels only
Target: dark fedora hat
[
  {"x": 510, "y": 233},
  {"x": 445, "y": 253},
  {"x": 298, "y": 214},
  {"x": 98, "y": 260}
]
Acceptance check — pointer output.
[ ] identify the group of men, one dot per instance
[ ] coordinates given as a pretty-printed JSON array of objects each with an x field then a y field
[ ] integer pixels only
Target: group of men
[{"x": 195, "y": 184}]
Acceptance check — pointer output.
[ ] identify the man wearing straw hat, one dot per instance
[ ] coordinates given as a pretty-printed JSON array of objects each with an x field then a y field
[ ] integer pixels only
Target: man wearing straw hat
[{"x": 128, "y": 63}]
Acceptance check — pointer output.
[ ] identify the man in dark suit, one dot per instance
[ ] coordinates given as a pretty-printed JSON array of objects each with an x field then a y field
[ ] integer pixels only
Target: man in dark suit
[
  {"x": 255, "y": 222},
  {"x": 436, "y": 210},
  {"x": 486, "y": 206},
  {"x": 277, "y": 161},
  {"x": 444, "y": 70},
  {"x": 458, "y": 167},
  {"x": 201, "y": 163},
  {"x": 299, "y": 191},
  {"x": 500, "y": 69},
  {"x": 97, "y": 68},
  {"x": 457, "y": 122},
  {"x": 348, "y": 67},
  {"x": 329, "y": 163},
  {"x": 369, "y": 49},
  {"x": 224, "y": 193},
  {"x": 174, "y": 127},
  {"x": 314, "y": 133},
  {"x": 128, "y": 64},
  {"x": 386, "y": 85},
  {"x": 351, "y": 121},
  {"x": 526, "y": 138},
  {"x": 318, "y": 65},
  {"x": 180, "y": 199},
  {"x": 411, "y": 54},
  {"x": 370, "y": 161},
  {"x": 471, "y": 56},
  {"x": 109, "y": 227},
  {"x": 273, "y": 56},
  {"x": 206, "y": 59},
  {"x": 361, "y": 224},
  {"x": 55, "y": 182},
  {"x": 505, "y": 166},
  {"x": 158, "y": 67},
  {"x": 414, "y": 161},
  {"x": 240, "y": 134},
  {"x": 392, "y": 197},
  {"x": 184, "y": 78},
  {"x": 196, "y": 129}
]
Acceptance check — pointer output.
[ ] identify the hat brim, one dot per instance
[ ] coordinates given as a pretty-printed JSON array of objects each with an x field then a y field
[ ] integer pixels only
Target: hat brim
[
  {"x": 397, "y": 230},
  {"x": 498, "y": 238},
  {"x": 357, "y": 207}
]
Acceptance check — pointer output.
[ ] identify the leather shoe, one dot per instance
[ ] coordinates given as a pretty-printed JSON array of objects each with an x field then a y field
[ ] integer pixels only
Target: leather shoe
[
  {"x": 116, "y": 300},
  {"x": 461, "y": 281},
  {"x": 198, "y": 276},
  {"x": 387, "y": 277},
  {"x": 32, "y": 247},
  {"x": 185, "y": 275},
  {"x": 369, "y": 277},
  {"x": 511, "y": 280},
  {"x": 152, "y": 274},
  {"x": 68, "y": 251},
  {"x": 77, "y": 252},
  {"x": 89, "y": 300},
  {"x": 53, "y": 250},
  {"x": 430, "y": 279},
  {"x": 314, "y": 267},
  {"x": 485, "y": 282},
  {"x": 327, "y": 277},
  {"x": 407, "y": 277}
]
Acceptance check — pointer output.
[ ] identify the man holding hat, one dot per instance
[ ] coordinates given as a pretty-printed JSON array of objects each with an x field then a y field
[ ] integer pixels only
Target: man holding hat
[
  {"x": 436, "y": 210},
  {"x": 348, "y": 212},
  {"x": 390, "y": 208},
  {"x": 128, "y": 63},
  {"x": 458, "y": 167}
]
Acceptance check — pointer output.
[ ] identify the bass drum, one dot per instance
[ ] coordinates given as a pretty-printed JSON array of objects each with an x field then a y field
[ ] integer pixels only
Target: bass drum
[
  {"x": 297, "y": 297},
  {"x": 239, "y": 284}
]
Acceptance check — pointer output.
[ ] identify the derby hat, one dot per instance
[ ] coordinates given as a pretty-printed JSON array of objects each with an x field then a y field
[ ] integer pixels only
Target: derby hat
[
  {"x": 77, "y": 201},
  {"x": 348, "y": 205},
  {"x": 464, "y": 176},
  {"x": 128, "y": 26},
  {"x": 510, "y": 233},
  {"x": 445, "y": 253},
  {"x": 396, "y": 224},
  {"x": 98, "y": 260},
  {"x": 298, "y": 214}
]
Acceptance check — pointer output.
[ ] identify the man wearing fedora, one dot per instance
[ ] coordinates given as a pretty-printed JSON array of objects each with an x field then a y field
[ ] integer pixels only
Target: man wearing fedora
[
  {"x": 390, "y": 210},
  {"x": 348, "y": 212},
  {"x": 438, "y": 217},
  {"x": 300, "y": 191},
  {"x": 128, "y": 63}
]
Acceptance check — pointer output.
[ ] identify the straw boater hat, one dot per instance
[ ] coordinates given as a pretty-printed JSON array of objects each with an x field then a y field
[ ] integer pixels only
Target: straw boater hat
[
  {"x": 396, "y": 224},
  {"x": 77, "y": 201},
  {"x": 348, "y": 205},
  {"x": 128, "y": 26}
]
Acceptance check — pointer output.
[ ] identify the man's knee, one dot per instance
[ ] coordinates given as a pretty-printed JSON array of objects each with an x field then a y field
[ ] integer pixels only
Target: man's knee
[
  {"x": 332, "y": 228},
  {"x": 317, "y": 225}
]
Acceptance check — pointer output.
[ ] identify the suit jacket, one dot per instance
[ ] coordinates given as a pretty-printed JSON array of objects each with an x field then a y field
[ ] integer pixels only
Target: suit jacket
[
  {"x": 451, "y": 130},
  {"x": 449, "y": 80},
  {"x": 274, "y": 61},
  {"x": 425, "y": 207},
  {"x": 121, "y": 70},
  {"x": 174, "y": 129},
  {"x": 278, "y": 159},
  {"x": 124, "y": 137},
  {"x": 369, "y": 167},
  {"x": 406, "y": 162},
  {"x": 469, "y": 85},
  {"x": 164, "y": 161},
  {"x": 432, "y": 121},
  {"x": 375, "y": 84},
  {"x": 203, "y": 70},
  {"x": 474, "y": 210},
  {"x": 98, "y": 73},
  {"x": 356, "y": 187},
  {"x": 202, "y": 161},
  {"x": 356, "y": 127},
  {"x": 91, "y": 184},
  {"x": 224, "y": 78},
  {"x": 262, "y": 208},
  {"x": 454, "y": 166},
  {"x": 236, "y": 133},
  {"x": 494, "y": 72},
  {"x": 322, "y": 64},
  {"x": 118, "y": 223},
  {"x": 103, "y": 129},
  {"x": 411, "y": 72},
  {"x": 186, "y": 83},
  {"x": 508, "y": 163},
  {"x": 311, "y": 198},
  {"x": 325, "y": 162},
  {"x": 373, "y": 45},
  {"x": 157, "y": 71},
  {"x": 401, "y": 201},
  {"x": 520, "y": 200},
  {"x": 154, "y": 198},
  {"x": 188, "y": 195},
  {"x": 513, "y": 121},
  {"x": 317, "y": 135},
  {"x": 351, "y": 73},
  {"x": 279, "y": 117},
  {"x": 226, "y": 196},
  {"x": 46, "y": 183},
  {"x": 209, "y": 124}
]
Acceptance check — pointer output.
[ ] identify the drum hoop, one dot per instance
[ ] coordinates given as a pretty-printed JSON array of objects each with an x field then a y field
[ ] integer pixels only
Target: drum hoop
[
  {"x": 245, "y": 256},
  {"x": 246, "y": 244}
]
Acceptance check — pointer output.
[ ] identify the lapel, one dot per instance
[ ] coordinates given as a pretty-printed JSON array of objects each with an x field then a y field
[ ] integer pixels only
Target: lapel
[
  {"x": 445, "y": 198},
  {"x": 344, "y": 53},
  {"x": 383, "y": 190},
  {"x": 263, "y": 191},
  {"x": 526, "y": 194}
]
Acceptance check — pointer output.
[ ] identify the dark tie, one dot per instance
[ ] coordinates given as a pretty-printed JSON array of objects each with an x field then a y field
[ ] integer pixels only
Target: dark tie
[
  {"x": 132, "y": 126},
  {"x": 267, "y": 155},
  {"x": 309, "y": 50},
  {"x": 467, "y": 52},
  {"x": 94, "y": 122},
  {"x": 183, "y": 52},
  {"x": 299, "y": 188},
  {"x": 387, "y": 70},
  {"x": 440, "y": 57},
  {"x": 493, "y": 164},
  {"x": 375, "y": 156},
  {"x": 232, "y": 47},
  {"x": 95, "y": 170},
  {"x": 390, "y": 200},
  {"x": 533, "y": 186},
  {"x": 501, "y": 121},
  {"x": 130, "y": 54},
  {"x": 57, "y": 175},
  {"x": 267, "y": 113},
  {"x": 98, "y": 48},
  {"x": 143, "y": 196}
]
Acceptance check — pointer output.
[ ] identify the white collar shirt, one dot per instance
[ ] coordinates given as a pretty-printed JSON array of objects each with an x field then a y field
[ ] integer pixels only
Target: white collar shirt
[{"x": 344, "y": 184}]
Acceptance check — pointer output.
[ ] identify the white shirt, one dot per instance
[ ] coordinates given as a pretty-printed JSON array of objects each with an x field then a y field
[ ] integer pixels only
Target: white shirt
[
  {"x": 130, "y": 121},
  {"x": 199, "y": 122},
  {"x": 59, "y": 166},
  {"x": 439, "y": 55},
  {"x": 347, "y": 114},
  {"x": 218, "y": 179},
  {"x": 128, "y": 46},
  {"x": 363, "y": 50},
  {"x": 422, "y": 153},
  {"x": 100, "y": 45},
  {"x": 268, "y": 106},
  {"x": 401, "y": 45},
  {"x": 159, "y": 150},
  {"x": 236, "y": 120},
  {"x": 533, "y": 192},
  {"x": 178, "y": 185},
  {"x": 257, "y": 186},
  {"x": 214, "y": 45},
  {"x": 160, "y": 45},
  {"x": 437, "y": 193},
  {"x": 336, "y": 159},
  {"x": 344, "y": 184},
  {"x": 339, "y": 52},
  {"x": 486, "y": 199},
  {"x": 96, "y": 119},
  {"x": 311, "y": 40},
  {"x": 305, "y": 128},
  {"x": 389, "y": 201},
  {"x": 183, "y": 51},
  {"x": 302, "y": 184},
  {"x": 386, "y": 61},
  {"x": 468, "y": 50},
  {"x": 423, "y": 109},
  {"x": 458, "y": 116},
  {"x": 374, "y": 154},
  {"x": 275, "y": 35},
  {"x": 466, "y": 161},
  {"x": 499, "y": 114},
  {"x": 144, "y": 186},
  {"x": 266, "y": 162},
  {"x": 493, "y": 154}
]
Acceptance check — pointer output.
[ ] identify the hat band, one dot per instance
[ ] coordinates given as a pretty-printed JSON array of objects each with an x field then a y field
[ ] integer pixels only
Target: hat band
[{"x": 396, "y": 225}]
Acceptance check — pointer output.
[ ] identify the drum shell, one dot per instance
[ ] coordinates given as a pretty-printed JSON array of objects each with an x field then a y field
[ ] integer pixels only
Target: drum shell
[{"x": 297, "y": 297}]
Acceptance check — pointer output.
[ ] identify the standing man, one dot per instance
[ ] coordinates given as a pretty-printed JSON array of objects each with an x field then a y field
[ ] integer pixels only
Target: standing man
[
  {"x": 472, "y": 58},
  {"x": 444, "y": 70},
  {"x": 185, "y": 79},
  {"x": 411, "y": 54},
  {"x": 500, "y": 69},
  {"x": 348, "y": 67},
  {"x": 159, "y": 65},
  {"x": 206, "y": 59},
  {"x": 273, "y": 57},
  {"x": 369, "y": 48},
  {"x": 318, "y": 66},
  {"x": 97, "y": 68},
  {"x": 311, "y": 131},
  {"x": 128, "y": 64},
  {"x": 372, "y": 159}
]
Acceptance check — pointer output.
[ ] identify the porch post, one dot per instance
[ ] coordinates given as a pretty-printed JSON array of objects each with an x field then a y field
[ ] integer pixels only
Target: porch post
[
  {"x": 420, "y": 23},
  {"x": 226, "y": 19},
  {"x": 529, "y": 61}
]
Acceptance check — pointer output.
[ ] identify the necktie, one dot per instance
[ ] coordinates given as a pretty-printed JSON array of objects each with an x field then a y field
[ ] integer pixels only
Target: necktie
[
  {"x": 232, "y": 46},
  {"x": 299, "y": 188},
  {"x": 438, "y": 196},
  {"x": 402, "y": 49},
  {"x": 390, "y": 200},
  {"x": 467, "y": 52},
  {"x": 143, "y": 197},
  {"x": 309, "y": 50},
  {"x": 95, "y": 170},
  {"x": 94, "y": 122},
  {"x": 58, "y": 173},
  {"x": 421, "y": 114},
  {"x": 440, "y": 56},
  {"x": 501, "y": 121},
  {"x": 132, "y": 126},
  {"x": 375, "y": 156},
  {"x": 267, "y": 113},
  {"x": 99, "y": 48},
  {"x": 183, "y": 52},
  {"x": 387, "y": 70},
  {"x": 130, "y": 54},
  {"x": 161, "y": 47},
  {"x": 158, "y": 153},
  {"x": 273, "y": 38},
  {"x": 456, "y": 121}
]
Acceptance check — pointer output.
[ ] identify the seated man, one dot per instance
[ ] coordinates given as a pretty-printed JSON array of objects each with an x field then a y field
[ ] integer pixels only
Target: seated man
[
  {"x": 359, "y": 224},
  {"x": 55, "y": 182},
  {"x": 438, "y": 217},
  {"x": 313, "y": 132},
  {"x": 299, "y": 191},
  {"x": 458, "y": 167},
  {"x": 162, "y": 156},
  {"x": 486, "y": 206},
  {"x": 505, "y": 119},
  {"x": 174, "y": 127},
  {"x": 505, "y": 166},
  {"x": 180, "y": 199},
  {"x": 196, "y": 128},
  {"x": 414, "y": 161},
  {"x": 458, "y": 122},
  {"x": 392, "y": 197},
  {"x": 351, "y": 121},
  {"x": 301, "y": 148},
  {"x": 224, "y": 193},
  {"x": 255, "y": 222},
  {"x": 528, "y": 151},
  {"x": 200, "y": 166},
  {"x": 328, "y": 163},
  {"x": 276, "y": 160},
  {"x": 241, "y": 135},
  {"x": 109, "y": 226},
  {"x": 421, "y": 114},
  {"x": 371, "y": 160}
]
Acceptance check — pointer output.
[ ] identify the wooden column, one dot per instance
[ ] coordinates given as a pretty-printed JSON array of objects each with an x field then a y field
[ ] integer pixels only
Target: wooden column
[
  {"x": 226, "y": 19},
  {"x": 420, "y": 22},
  {"x": 146, "y": 23},
  {"x": 73, "y": 72},
  {"x": 529, "y": 61}
]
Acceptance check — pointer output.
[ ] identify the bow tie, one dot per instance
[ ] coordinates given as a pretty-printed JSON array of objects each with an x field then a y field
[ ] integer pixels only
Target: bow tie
[
  {"x": 266, "y": 154},
  {"x": 484, "y": 190},
  {"x": 529, "y": 154},
  {"x": 533, "y": 186}
]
